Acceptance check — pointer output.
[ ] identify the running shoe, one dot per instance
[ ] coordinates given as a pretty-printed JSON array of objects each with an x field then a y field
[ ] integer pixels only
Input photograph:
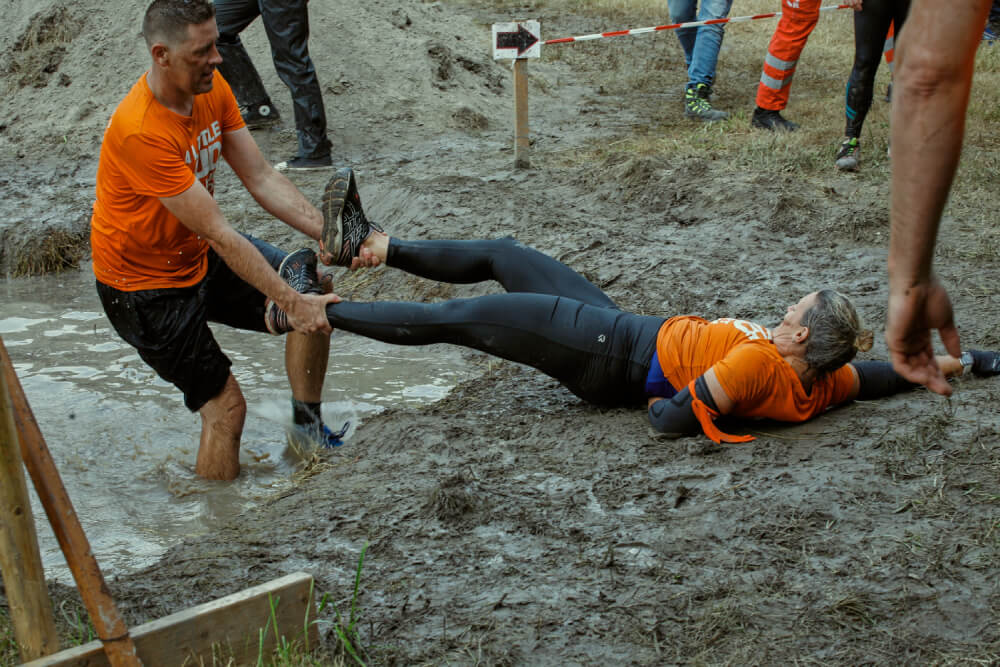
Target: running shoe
[
  {"x": 696, "y": 104},
  {"x": 257, "y": 116},
  {"x": 299, "y": 163},
  {"x": 306, "y": 437},
  {"x": 848, "y": 154},
  {"x": 298, "y": 269},
  {"x": 345, "y": 226}
]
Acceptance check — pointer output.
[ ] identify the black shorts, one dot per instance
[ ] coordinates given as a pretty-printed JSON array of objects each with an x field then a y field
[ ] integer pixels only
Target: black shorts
[{"x": 169, "y": 327}]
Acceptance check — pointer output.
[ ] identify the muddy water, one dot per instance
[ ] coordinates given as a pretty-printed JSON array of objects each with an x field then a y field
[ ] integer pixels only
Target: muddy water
[{"x": 125, "y": 444}]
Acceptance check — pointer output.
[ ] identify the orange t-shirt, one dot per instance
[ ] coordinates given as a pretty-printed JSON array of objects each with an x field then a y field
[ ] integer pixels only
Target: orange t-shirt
[
  {"x": 757, "y": 379},
  {"x": 149, "y": 152}
]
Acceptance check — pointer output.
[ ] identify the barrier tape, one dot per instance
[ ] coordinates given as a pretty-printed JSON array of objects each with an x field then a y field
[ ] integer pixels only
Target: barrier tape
[{"x": 675, "y": 26}]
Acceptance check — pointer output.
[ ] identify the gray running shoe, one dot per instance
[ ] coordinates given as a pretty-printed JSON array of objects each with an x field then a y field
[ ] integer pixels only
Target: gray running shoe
[
  {"x": 298, "y": 269},
  {"x": 848, "y": 154},
  {"x": 345, "y": 226}
]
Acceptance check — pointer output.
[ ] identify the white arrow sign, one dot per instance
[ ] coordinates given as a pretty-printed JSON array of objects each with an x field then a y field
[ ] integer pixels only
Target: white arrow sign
[{"x": 517, "y": 40}]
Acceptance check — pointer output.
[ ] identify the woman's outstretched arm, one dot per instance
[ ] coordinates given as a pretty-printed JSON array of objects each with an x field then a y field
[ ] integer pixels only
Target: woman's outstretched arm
[{"x": 877, "y": 379}]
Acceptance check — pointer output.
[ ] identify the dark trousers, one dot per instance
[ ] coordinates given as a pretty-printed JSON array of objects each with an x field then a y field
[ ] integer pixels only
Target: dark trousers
[
  {"x": 870, "y": 27},
  {"x": 287, "y": 26},
  {"x": 552, "y": 318}
]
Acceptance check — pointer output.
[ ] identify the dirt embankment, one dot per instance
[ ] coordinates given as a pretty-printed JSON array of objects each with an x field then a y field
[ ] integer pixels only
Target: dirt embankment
[{"x": 510, "y": 523}]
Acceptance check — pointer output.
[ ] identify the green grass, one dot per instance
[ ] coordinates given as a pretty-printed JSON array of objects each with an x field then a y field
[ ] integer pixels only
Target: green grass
[{"x": 649, "y": 70}]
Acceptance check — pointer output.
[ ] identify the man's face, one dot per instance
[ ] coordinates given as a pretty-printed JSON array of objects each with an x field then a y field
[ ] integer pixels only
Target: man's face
[{"x": 192, "y": 62}]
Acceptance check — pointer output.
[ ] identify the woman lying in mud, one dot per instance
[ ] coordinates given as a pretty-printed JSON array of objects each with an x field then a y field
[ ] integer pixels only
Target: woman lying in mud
[{"x": 687, "y": 370}]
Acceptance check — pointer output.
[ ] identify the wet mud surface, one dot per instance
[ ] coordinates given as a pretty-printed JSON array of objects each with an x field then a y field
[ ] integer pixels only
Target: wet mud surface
[{"x": 509, "y": 523}]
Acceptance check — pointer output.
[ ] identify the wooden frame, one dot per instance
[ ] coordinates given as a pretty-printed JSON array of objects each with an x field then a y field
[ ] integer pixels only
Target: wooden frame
[{"x": 228, "y": 628}]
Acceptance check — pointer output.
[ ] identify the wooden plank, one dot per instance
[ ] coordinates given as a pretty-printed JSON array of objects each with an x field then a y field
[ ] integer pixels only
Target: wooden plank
[
  {"x": 522, "y": 143},
  {"x": 20, "y": 559},
  {"x": 228, "y": 626}
]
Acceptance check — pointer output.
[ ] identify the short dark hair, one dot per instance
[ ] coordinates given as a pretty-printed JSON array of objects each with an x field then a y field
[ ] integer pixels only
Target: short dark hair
[{"x": 168, "y": 20}]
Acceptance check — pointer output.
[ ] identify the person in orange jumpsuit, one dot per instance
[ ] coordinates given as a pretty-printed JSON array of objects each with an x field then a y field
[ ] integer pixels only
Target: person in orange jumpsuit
[{"x": 798, "y": 18}]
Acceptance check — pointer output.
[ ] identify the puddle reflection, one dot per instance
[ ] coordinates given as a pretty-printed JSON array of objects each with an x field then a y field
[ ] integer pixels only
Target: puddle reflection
[{"x": 125, "y": 444}]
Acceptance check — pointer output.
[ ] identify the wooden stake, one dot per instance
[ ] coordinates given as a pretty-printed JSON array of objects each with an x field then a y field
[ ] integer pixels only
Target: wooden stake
[
  {"x": 20, "y": 560},
  {"x": 522, "y": 144},
  {"x": 108, "y": 623}
]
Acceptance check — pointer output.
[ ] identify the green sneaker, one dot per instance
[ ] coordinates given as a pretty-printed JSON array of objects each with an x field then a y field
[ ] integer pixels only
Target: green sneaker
[
  {"x": 696, "y": 104},
  {"x": 848, "y": 154}
]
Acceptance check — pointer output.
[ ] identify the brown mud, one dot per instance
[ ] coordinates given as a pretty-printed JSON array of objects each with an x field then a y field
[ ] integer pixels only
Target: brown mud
[{"x": 510, "y": 523}]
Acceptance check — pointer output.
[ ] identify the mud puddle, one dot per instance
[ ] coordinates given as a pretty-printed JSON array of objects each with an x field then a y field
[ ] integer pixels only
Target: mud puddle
[{"x": 124, "y": 443}]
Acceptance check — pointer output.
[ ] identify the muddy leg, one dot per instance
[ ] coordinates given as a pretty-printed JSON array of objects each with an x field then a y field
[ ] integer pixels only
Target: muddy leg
[{"x": 221, "y": 428}]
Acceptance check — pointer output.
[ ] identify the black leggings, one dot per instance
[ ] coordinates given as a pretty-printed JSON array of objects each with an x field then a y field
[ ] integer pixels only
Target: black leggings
[
  {"x": 870, "y": 27},
  {"x": 551, "y": 319}
]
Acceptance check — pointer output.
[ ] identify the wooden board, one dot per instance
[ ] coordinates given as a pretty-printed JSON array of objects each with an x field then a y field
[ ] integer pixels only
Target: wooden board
[{"x": 228, "y": 626}]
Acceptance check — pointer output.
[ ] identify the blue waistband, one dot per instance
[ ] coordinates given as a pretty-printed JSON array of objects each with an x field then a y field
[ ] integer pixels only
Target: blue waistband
[{"x": 656, "y": 381}]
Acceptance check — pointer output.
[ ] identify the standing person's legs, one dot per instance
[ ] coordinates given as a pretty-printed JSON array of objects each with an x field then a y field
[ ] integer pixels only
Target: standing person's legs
[
  {"x": 237, "y": 304},
  {"x": 684, "y": 11},
  {"x": 790, "y": 37},
  {"x": 871, "y": 24},
  {"x": 232, "y": 17},
  {"x": 287, "y": 27},
  {"x": 517, "y": 267},
  {"x": 870, "y": 27},
  {"x": 169, "y": 330},
  {"x": 707, "y": 43},
  {"x": 306, "y": 357}
]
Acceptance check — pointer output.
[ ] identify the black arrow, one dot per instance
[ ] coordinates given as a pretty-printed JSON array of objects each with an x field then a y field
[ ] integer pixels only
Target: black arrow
[{"x": 522, "y": 40}]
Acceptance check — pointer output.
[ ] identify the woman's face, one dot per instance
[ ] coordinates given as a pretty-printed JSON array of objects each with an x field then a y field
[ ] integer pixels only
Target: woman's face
[{"x": 790, "y": 333}]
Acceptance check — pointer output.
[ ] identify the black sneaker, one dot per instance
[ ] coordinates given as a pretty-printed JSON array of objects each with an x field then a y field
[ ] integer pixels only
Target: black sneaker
[
  {"x": 257, "y": 116},
  {"x": 983, "y": 363},
  {"x": 345, "y": 226},
  {"x": 769, "y": 119},
  {"x": 298, "y": 269},
  {"x": 299, "y": 163},
  {"x": 848, "y": 154},
  {"x": 696, "y": 104}
]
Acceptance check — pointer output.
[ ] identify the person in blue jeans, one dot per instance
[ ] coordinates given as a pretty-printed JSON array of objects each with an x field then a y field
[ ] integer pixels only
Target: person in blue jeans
[{"x": 701, "y": 52}]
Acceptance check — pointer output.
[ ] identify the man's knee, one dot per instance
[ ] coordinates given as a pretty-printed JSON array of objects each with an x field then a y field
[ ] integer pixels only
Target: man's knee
[{"x": 227, "y": 411}]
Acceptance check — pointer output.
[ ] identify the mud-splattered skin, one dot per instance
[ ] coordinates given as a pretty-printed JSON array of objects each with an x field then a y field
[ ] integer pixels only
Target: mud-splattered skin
[{"x": 511, "y": 523}]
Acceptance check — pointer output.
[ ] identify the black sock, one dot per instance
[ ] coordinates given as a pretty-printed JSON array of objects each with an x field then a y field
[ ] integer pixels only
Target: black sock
[{"x": 306, "y": 413}]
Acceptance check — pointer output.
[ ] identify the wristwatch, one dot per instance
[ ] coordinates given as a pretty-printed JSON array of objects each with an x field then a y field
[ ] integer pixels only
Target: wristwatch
[{"x": 966, "y": 361}]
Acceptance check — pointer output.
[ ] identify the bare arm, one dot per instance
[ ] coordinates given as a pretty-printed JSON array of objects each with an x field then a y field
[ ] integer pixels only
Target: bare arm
[
  {"x": 198, "y": 211},
  {"x": 272, "y": 190},
  {"x": 935, "y": 60}
]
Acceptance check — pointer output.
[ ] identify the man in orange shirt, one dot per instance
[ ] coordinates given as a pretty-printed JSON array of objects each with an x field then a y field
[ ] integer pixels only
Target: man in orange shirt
[{"x": 165, "y": 258}]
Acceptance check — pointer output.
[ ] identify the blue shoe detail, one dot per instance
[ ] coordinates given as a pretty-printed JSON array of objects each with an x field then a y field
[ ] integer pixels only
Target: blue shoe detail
[{"x": 325, "y": 438}]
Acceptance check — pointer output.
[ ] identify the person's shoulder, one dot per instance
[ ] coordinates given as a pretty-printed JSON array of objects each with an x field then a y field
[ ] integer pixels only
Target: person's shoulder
[{"x": 131, "y": 115}]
